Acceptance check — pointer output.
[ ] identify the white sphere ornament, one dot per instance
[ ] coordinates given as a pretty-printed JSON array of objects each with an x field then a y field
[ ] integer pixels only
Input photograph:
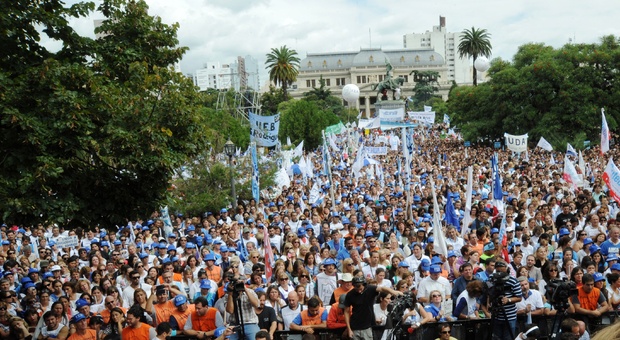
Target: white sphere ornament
[
  {"x": 350, "y": 93},
  {"x": 482, "y": 64}
]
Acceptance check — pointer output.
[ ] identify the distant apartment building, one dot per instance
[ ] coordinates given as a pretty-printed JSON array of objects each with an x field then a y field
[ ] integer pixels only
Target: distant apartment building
[
  {"x": 239, "y": 75},
  {"x": 446, "y": 44}
]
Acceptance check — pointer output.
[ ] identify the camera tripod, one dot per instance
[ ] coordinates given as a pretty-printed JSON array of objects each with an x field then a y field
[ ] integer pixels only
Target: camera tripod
[
  {"x": 239, "y": 315},
  {"x": 498, "y": 310},
  {"x": 557, "y": 321}
]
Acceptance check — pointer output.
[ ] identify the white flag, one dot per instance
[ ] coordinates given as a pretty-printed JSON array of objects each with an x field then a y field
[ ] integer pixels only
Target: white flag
[
  {"x": 543, "y": 144},
  {"x": 552, "y": 160},
  {"x": 605, "y": 135},
  {"x": 468, "y": 197},
  {"x": 428, "y": 108},
  {"x": 299, "y": 150},
  {"x": 570, "y": 173},
  {"x": 440, "y": 239},
  {"x": 570, "y": 150},
  {"x": 288, "y": 141}
]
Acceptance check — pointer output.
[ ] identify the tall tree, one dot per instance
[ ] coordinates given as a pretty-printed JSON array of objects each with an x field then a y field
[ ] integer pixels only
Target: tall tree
[
  {"x": 475, "y": 43},
  {"x": 92, "y": 133},
  {"x": 283, "y": 65}
]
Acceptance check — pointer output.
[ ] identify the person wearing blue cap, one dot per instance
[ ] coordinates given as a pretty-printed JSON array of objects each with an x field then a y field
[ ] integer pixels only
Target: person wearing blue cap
[
  {"x": 207, "y": 289},
  {"x": 82, "y": 331},
  {"x": 179, "y": 316},
  {"x": 434, "y": 282}
]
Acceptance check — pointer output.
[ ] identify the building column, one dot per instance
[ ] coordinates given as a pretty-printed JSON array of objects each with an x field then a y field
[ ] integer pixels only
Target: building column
[{"x": 367, "y": 111}]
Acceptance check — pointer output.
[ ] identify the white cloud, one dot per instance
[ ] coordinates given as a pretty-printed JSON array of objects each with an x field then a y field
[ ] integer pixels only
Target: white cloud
[{"x": 220, "y": 30}]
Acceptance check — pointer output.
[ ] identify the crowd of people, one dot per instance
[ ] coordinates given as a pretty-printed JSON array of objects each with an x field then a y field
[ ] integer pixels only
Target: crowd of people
[{"x": 338, "y": 263}]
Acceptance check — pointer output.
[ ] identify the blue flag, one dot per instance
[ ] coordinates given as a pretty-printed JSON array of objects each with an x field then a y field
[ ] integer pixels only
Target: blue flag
[
  {"x": 498, "y": 195},
  {"x": 255, "y": 175},
  {"x": 451, "y": 216}
]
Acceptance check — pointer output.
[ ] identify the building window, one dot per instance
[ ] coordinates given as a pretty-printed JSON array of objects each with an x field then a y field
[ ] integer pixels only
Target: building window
[
  {"x": 339, "y": 81},
  {"x": 308, "y": 83},
  {"x": 309, "y": 64},
  {"x": 324, "y": 63},
  {"x": 417, "y": 58},
  {"x": 371, "y": 59},
  {"x": 313, "y": 82},
  {"x": 432, "y": 58},
  {"x": 406, "y": 78},
  {"x": 361, "y": 79},
  {"x": 339, "y": 63},
  {"x": 328, "y": 82},
  {"x": 402, "y": 59},
  {"x": 381, "y": 77}
]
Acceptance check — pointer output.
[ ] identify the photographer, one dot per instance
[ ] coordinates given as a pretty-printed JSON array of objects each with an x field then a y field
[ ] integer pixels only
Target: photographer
[
  {"x": 362, "y": 297},
  {"x": 501, "y": 297},
  {"x": 248, "y": 300}
]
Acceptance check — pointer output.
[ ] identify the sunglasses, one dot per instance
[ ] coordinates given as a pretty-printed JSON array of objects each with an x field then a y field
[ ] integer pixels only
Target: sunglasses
[
  {"x": 306, "y": 276},
  {"x": 445, "y": 332},
  {"x": 3, "y": 308},
  {"x": 283, "y": 278},
  {"x": 435, "y": 295}
]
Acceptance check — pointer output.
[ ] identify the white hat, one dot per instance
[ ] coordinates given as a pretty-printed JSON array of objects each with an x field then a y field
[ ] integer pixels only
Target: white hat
[
  {"x": 346, "y": 277},
  {"x": 55, "y": 268}
]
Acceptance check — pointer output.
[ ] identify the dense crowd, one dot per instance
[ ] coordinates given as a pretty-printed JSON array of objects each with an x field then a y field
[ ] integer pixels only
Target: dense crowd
[{"x": 337, "y": 264}]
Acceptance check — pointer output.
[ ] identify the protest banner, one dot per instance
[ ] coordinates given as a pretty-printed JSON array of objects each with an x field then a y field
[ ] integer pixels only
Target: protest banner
[
  {"x": 264, "y": 129},
  {"x": 67, "y": 242},
  {"x": 516, "y": 143},
  {"x": 427, "y": 117}
]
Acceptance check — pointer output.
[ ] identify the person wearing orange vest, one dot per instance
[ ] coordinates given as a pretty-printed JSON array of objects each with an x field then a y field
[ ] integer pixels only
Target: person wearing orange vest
[
  {"x": 589, "y": 301},
  {"x": 315, "y": 317},
  {"x": 82, "y": 332},
  {"x": 137, "y": 330},
  {"x": 335, "y": 318},
  {"x": 179, "y": 316},
  {"x": 204, "y": 321},
  {"x": 213, "y": 272},
  {"x": 164, "y": 306},
  {"x": 345, "y": 287}
]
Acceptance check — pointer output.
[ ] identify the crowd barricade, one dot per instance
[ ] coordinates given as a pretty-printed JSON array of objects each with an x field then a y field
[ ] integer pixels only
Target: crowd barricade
[{"x": 479, "y": 329}]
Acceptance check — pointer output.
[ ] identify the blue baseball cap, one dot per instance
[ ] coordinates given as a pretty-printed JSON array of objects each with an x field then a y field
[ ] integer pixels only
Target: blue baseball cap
[
  {"x": 180, "y": 300},
  {"x": 210, "y": 257},
  {"x": 190, "y": 245},
  {"x": 598, "y": 277},
  {"x": 329, "y": 261},
  {"x": 78, "y": 317},
  {"x": 81, "y": 303},
  {"x": 172, "y": 247},
  {"x": 587, "y": 241},
  {"x": 205, "y": 284},
  {"x": 489, "y": 246},
  {"x": 47, "y": 275},
  {"x": 105, "y": 243},
  {"x": 117, "y": 243},
  {"x": 224, "y": 249},
  {"x": 494, "y": 231},
  {"x": 451, "y": 253},
  {"x": 191, "y": 228},
  {"x": 403, "y": 264},
  {"x": 594, "y": 248},
  {"x": 143, "y": 255},
  {"x": 564, "y": 231},
  {"x": 435, "y": 269}
]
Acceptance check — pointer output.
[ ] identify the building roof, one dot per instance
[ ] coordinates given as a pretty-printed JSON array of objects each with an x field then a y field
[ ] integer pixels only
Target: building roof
[{"x": 370, "y": 57}]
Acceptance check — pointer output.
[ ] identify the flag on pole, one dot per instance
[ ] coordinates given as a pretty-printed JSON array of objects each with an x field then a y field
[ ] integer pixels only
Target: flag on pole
[
  {"x": 244, "y": 255},
  {"x": 502, "y": 229},
  {"x": 570, "y": 173},
  {"x": 269, "y": 263},
  {"x": 570, "y": 150},
  {"x": 451, "y": 216},
  {"x": 552, "y": 159},
  {"x": 611, "y": 176},
  {"x": 605, "y": 135},
  {"x": 498, "y": 194},
  {"x": 468, "y": 197},
  {"x": 288, "y": 141},
  {"x": 582, "y": 163},
  {"x": 440, "y": 238},
  {"x": 299, "y": 150},
  {"x": 255, "y": 174},
  {"x": 543, "y": 144}
]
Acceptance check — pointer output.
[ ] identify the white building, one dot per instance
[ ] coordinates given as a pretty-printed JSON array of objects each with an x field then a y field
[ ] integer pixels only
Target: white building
[
  {"x": 446, "y": 44},
  {"x": 214, "y": 75},
  {"x": 238, "y": 75},
  {"x": 365, "y": 68}
]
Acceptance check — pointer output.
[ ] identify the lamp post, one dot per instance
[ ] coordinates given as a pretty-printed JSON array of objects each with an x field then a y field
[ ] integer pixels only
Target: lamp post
[{"x": 229, "y": 149}]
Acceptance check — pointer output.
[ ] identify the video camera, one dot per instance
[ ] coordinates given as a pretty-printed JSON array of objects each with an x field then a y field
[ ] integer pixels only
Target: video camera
[
  {"x": 236, "y": 286},
  {"x": 496, "y": 285},
  {"x": 558, "y": 292}
]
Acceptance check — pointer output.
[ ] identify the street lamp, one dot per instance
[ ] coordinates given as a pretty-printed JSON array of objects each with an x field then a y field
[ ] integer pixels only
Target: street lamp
[{"x": 229, "y": 150}]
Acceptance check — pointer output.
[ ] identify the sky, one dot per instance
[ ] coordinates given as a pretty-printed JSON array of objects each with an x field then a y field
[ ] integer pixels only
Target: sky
[{"x": 221, "y": 30}]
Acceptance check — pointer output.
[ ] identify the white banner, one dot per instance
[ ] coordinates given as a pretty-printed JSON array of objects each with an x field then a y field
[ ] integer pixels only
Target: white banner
[
  {"x": 426, "y": 117},
  {"x": 264, "y": 129},
  {"x": 392, "y": 115},
  {"x": 516, "y": 143},
  {"x": 376, "y": 150},
  {"x": 611, "y": 176},
  {"x": 67, "y": 242}
]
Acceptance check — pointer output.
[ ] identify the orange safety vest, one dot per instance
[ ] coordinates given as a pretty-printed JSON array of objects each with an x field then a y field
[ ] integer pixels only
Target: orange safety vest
[
  {"x": 140, "y": 333},
  {"x": 90, "y": 334},
  {"x": 204, "y": 323},
  {"x": 175, "y": 277},
  {"x": 214, "y": 274},
  {"x": 182, "y": 317},
  {"x": 163, "y": 311},
  {"x": 105, "y": 314},
  {"x": 307, "y": 320},
  {"x": 588, "y": 301}
]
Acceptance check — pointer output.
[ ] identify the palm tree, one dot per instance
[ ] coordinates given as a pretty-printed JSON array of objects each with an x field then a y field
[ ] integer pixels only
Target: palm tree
[
  {"x": 475, "y": 43},
  {"x": 283, "y": 65}
]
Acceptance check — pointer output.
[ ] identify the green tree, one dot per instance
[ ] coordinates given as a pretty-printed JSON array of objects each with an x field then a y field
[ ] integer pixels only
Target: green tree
[
  {"x": 304, "y": 120},
  {"x": 426, "y": 86},
  {"x": 271, "y": 99},
  {"x": 92, "y": 133},
  {"x": 283, "y": 65},
  {"x": 475, "y": 43},
  {"x": 555, "y": 93},
  {"x": 321, "y": 93}
]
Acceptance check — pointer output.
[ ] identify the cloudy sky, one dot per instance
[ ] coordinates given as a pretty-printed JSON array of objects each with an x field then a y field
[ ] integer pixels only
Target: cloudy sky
[{"x": 221, "y": 30}]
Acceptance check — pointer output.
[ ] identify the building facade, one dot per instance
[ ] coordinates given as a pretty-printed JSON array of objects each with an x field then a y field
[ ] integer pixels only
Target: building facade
[
  {"x": 446, "y": 44},
  {"x": 239, "y": 75},
  {"x": 366, "y": 67}
]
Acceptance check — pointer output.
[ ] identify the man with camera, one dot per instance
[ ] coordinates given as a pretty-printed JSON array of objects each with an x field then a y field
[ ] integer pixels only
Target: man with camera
[
  {"x": 245, "y": 298},
  {"x": 503, "y": 295},
  {"x": 362, "y": 298}
]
